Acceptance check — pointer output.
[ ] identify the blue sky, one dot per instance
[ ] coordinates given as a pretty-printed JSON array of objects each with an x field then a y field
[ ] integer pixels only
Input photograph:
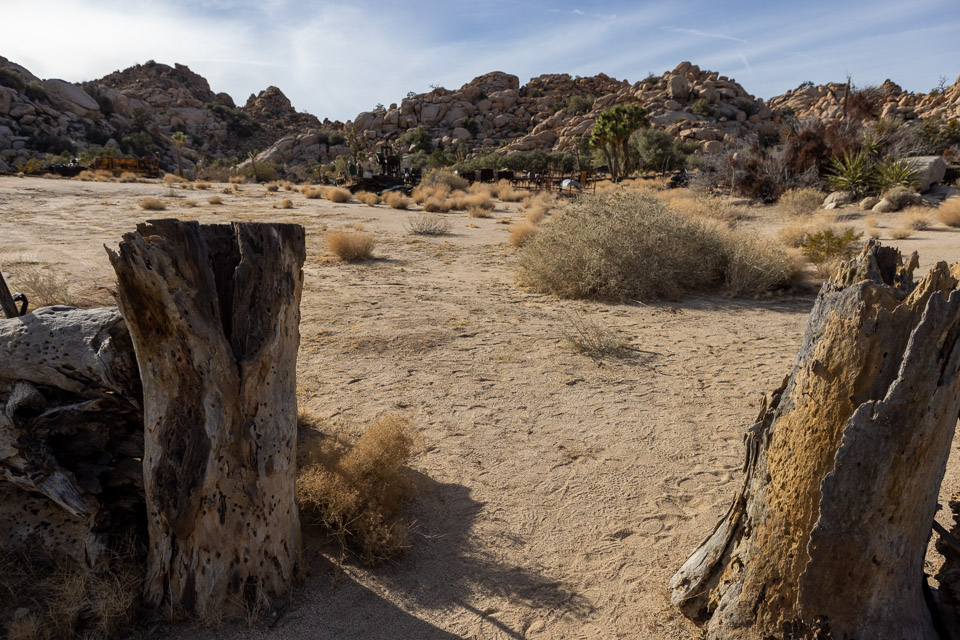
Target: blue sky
[{"x": 335, "y": 59}]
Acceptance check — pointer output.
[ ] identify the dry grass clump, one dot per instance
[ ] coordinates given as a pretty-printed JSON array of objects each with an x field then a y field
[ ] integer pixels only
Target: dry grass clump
[
  {"x": 152, "y": 204},
  {"x": 65, "y": 600},
  {"x": 428, "y": 225},
  {"x": 900, "y": 197},
  {"x": 171, "y": 179},
  {"x": 288, "y": 186},
  {"x": 445, "y": 177},
  {"x": 918, "y": 218},
  {"x": 272, "y": 187},
  {"x": 368, "y": 198},
  {"x": 102, "y": 175},
  {"x": 236, "y": 179},
  {"x": 286, "y": 203},
  {"x": 594, "y": 340},
  {"x": 189, "y": 203},
  {"x": 357, "y": 494},
  {"x": 423, "y": 193},
  {"x": 507, "y": 193},
  {"x": 629, "y": 245},
  {"x": 436, "y": 205},
  {"x": 215, "y": 200},
  {"x": 800, "y": 202},
  {"x": 396, "y": 200},
  {"x": 351, "y": 245},
  {"x": 202, "y": 186},
  {"x": 479, "y": 212},
  {"x": 483, "y": 189},
  {"x": 522, "y": 233},
  {"x": 86, "y": 176},
  {"x": 872, "y": 221},
  {"x": 694, "y": 205},
  {"x": 339, "y": 194},
  {"x": 949, "y": 212},
  {"x": 126, "y": 176},
  {"x": 794, "y": 235},
  {"x": 900, "y": 233},
  {"x": 313, "y": 193},
  {"x": 42, "y": 285}
]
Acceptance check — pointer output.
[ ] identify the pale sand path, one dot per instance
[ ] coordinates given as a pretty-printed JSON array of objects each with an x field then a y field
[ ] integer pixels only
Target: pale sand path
[{"x": 557, "y": 496}]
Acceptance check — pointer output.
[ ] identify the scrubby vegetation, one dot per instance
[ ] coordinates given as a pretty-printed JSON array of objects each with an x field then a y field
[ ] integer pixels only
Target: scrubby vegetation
[
  {"x": 356, "y": 493},
  {"x": 351, "y": 245},
  {"x": 630, "y": 246}
]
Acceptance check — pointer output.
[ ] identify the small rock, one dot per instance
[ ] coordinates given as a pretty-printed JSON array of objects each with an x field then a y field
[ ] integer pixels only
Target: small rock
[
  {"x": 839, "y": 197},
  {"x": 884, "y": 206},
  {"x": 869, "y": 203}
]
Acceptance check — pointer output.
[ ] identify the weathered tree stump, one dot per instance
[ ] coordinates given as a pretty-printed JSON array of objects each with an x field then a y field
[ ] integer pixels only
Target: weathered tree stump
[
  {"x": 71, "y": 432},
  {"x": 214, "y": 315},
  {"x": 843, "y": 469}
]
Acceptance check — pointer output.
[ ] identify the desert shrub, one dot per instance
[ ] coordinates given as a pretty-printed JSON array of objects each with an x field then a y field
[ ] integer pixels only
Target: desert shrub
[
  {"x": 203, "y": 186},
  {"x": 67, "y": 600},
  {"x": 800, "y": 202},
  {"x": 152, "y": 204},
  {"x": 272, "y": 187},
  {"x": 339, "y": 194},
  {"x": 396, "y": 200},
  {"x": 949, "y": 212},
  {"x": 918, "y": 218},
  {"x": 579, "y": 104},
  {"x": 428, "y": 225},
  {"x": 368, "y": 198},
  {"x": 35, "y": 91},
  {"x": 446, "y": 177},
  {"x": 507, "y": 193},
  {"x": 828, "y": 244},
  {"x": 31, "y": 166},
  {"x": 357, "y": 494},
  {"x": 417, "y": 140},
  {"x": 901, "y": 233},
  {"x": 261, "y": 171},
  {"x": 237, "y": 179},
  {"x": 86, "y": 176},
  {"x": 215, "y": 200},
  {"x": 754, "y": 265},
  {"x": 794, "y": 235},
  {"x": 351, "y": 245},
  {"x": 535, "y": 213},
  {"x": 659, "y": 150},
  {"x": 171, "y": 179},
  {"x": 593, "y": 339},
  {"x": 126, "y": 176},
  {"x": 286, "y": 203},
  {"x": 701, "y": 107},
  {"x": 629, "y": 245},
  {"x": 478, "y": 201},
  {"x": 479, "y": 212},
  {"x": 11, "y": 78},
  {"x": 42, "y": 285},
  {"x": 522, "y": 233},
  {"x": 436, "y": 205},
  {"x": 313, "y": 193},
  {"x": 189, "y": 203}
]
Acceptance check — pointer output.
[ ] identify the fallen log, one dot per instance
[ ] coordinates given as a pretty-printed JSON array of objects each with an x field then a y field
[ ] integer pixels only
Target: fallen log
[
  {"x": 828, "y": 532},
  {"x": 71, "y": 433},
  {"x": 214, "y": 314}
]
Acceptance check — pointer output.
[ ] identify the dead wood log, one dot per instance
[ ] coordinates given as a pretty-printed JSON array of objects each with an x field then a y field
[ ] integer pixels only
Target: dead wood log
[
  {"x": 71, "y": 432},
  {"x": 829, "y": 530},
  {"x": 214, "y": 316}
]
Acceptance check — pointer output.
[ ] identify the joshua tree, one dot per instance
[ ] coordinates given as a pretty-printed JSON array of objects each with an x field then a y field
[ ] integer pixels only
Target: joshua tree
[
  {"x": 179, "y": 139},
  {"x": 612, "y": 132}
]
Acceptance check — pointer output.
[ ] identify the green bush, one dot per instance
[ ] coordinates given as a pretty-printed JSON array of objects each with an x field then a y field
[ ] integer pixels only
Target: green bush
[
  {"x": 659, "y": 150},
  {"x": 579, "y": 104},
  {"x": 826, "y": 245},
  {"x": 438, "y": 159},
  {"x": 895, "y": 172},
  {"x": 11, "y": 78},
  {"x": 702, "y": 108},
  {"x": 35, "y": 91},
  {"x": 139, "y": 143},
  {"x": 446, "y": 177},
  {"x": 418, "y": 138},
  {"x": 629, "y": 246},
  {"x": 851, "y": 173}
]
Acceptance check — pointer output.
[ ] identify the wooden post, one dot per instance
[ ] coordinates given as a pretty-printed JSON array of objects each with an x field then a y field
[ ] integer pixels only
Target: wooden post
[
  {"x": 214, "y": 316},
  {"x": 829, "y": 530}
]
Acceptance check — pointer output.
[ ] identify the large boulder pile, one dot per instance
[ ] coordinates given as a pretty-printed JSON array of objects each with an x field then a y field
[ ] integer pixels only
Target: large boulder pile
[{"x": 39, "y": 117}]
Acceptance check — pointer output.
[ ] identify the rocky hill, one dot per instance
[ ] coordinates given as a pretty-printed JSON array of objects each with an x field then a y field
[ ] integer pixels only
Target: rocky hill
[
  {"x": 553, "y": 112},
  {"x": 138, "y": 109},
  {"x": 826, "y": 102}
]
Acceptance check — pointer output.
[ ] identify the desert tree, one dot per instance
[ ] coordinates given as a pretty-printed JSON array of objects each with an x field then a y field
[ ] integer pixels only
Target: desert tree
[
  {"x": 179, "y": 139},
  {"x": 611, "y": 134}
]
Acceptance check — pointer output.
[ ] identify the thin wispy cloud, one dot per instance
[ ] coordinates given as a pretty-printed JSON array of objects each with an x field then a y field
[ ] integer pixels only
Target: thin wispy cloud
[{"x": 703, "y": 34}]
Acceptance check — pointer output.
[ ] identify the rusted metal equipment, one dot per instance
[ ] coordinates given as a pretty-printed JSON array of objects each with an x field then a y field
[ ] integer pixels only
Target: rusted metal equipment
[{"x": 149, "y": 166}]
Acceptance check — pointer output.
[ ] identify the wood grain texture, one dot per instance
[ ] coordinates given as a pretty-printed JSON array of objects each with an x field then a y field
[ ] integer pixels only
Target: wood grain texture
[
  {"x": 214, "y": 316},
  {"x": 843, "y": 469}
]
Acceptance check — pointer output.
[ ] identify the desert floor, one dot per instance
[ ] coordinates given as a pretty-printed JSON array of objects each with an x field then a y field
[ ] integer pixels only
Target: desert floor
[{"x": 557, "y": 495}]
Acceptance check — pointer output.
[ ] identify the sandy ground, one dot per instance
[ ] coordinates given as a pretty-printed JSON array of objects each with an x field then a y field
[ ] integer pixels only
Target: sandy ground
[{"x": 557, "y": 496}]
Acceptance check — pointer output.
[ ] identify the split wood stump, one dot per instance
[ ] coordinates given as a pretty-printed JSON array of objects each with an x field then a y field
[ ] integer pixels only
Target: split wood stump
[
  {"x": 71, "y": 433},
  {"x": 828, "y": 533},
  {"x": 214, "y": 314}
]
